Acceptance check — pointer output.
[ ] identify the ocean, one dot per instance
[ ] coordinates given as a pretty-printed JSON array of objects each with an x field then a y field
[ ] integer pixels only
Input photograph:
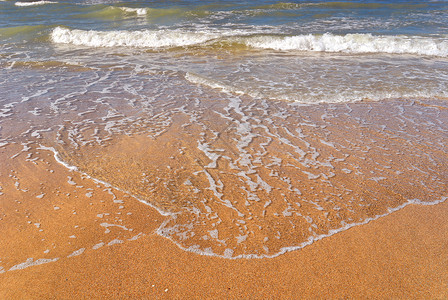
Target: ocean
[{"x": 255, "y": 127}]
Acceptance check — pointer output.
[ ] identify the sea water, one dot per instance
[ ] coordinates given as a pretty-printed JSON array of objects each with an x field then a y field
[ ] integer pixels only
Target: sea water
[{"x": 297, "y": 119}]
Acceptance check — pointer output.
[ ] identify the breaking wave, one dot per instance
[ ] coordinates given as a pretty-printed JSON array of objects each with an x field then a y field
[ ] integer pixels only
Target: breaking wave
[
  {"x": 123, "y": 38},
  {"x": 138, "y": 11},
  {"x": 354, "y": 43},
  {"x": 348, "y": 43}
]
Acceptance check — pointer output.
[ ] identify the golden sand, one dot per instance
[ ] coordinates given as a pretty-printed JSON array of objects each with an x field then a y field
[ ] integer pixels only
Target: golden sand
[
  {"x": 403, "y": 255},
  {"x": 65, "y": 235}
]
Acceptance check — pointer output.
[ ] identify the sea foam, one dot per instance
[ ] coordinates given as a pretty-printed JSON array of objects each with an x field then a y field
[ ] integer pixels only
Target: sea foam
[
  {"x": 138, "y": 11},
  {"x": 353, "y": 43},
  {"x": 33, "y": 3},
  {"x": 348, "y": 43},
  {"x": 123, "y": 38}
]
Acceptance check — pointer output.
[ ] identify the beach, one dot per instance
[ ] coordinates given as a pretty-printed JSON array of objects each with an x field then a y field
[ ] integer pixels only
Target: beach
[
  {"x": 402, "y": 255},
  {"x": 88, "y": 238},
  {"x": 387, "y": 259},
  {"x": 203, "y": 149}
]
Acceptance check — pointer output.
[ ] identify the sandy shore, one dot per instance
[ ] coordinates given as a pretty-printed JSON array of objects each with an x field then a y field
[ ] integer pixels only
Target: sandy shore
[
  {"x": 403, "y": 255},
  {"x": 67, "y": 236}
]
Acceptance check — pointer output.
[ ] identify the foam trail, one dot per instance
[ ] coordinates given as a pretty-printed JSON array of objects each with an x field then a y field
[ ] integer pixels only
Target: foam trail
[
  {"x": 310, "y": 240},
  {"x": 214, "y": 84},
  {"x": 31, "y": 262},
  {"x": 73, "y": 168},
  {"x": 56, "y": 157}
]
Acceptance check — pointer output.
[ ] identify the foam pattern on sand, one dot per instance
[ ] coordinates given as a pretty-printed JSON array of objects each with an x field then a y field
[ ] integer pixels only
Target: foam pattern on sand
[
  {"x": 239, "y": 182},
  {"x": 235, "y": 176}
]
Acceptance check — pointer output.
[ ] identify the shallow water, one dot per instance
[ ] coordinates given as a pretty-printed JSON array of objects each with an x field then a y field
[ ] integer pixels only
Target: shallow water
[
  {"x": 295, "y": 51},
  {"x": 242, "y": 122}
]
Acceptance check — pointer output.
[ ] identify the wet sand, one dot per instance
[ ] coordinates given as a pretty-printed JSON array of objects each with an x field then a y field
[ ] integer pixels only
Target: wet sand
[
  {"x": 403, "y": 255},
  {"x": 65, "y": 235}
]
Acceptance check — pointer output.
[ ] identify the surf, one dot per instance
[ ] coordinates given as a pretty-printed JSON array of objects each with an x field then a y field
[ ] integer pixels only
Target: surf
[{"x": 357, "y": 43}]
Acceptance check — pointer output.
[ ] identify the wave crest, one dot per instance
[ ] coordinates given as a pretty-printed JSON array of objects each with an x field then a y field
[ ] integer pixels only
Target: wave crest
[
  {"x": 123, "y": 38},
  {"x": 137, "y": 11},
  {"x": 349, "y": 43},
  {"x": 353, "y": 43}
]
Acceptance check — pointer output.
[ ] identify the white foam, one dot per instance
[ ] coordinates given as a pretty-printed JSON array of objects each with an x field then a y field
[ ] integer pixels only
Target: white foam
[
  {"x": 136, "y": 237},
  {"x": 353, "y": 43},
  {"x": 106, "y": 225},
  {"x": 138, "y": 11},
  {"x": 123, "y": 38},
  {"x": 115, "y": 241},
  {"x": 204, "y": 147},
  {"x": 56, "y": 157},
  {"x": 30, "y": 262},
  {"x": 348, "y": 43},
  {"x": 73, "y": 168},
  {"x": 214, "y": 84},
  {"x": 33, "y": 3},
  {"x": 97, "y": 246},
  {"x": 228, "y": 253},
  {"x": 77, "y": 252}
]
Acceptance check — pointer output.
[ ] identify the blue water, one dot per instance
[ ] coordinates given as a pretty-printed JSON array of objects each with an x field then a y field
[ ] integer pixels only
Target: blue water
[
  {"x": 408, "y": 38},
  {"x": 378, "y": 17}
]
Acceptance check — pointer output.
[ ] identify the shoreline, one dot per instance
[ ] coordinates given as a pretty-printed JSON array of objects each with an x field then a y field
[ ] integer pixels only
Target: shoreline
[
  {"x": 60, "y": 224},
  {"x": 311, "y": 241},
  {"x": 391, "y": 257}
]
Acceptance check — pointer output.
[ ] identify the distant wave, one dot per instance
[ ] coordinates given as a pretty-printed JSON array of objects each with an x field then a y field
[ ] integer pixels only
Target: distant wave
[
  {"x": 33, "y": 3},
  {"x": 114, "y": 12},
  {"x": 351, "y": 5},
  {"x": 349, "y": 43},
  {"x": 338, "y": 5},
  {"x": 21, "y": 30}
]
